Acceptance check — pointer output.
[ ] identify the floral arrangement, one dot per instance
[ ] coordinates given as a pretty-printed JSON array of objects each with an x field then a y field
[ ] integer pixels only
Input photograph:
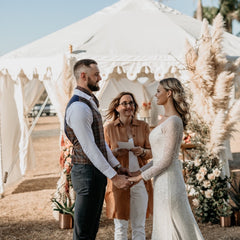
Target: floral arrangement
[
  {"x": 146, "y": 106},
  {"x": 144, "y": 110},
  {"x": 187, "y": 137},
  {"x": 64, "y": 197},
  {"x": 207, "y": 187},
  {"x": 204, "y": 181},
  {"x": 65, "y": 162}
]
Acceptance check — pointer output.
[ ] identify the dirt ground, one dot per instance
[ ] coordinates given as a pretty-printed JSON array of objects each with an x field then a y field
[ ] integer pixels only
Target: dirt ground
[{"x": 26, "y": 213}]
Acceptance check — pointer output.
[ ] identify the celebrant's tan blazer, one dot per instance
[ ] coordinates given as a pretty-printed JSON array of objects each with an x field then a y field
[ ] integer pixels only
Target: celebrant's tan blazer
[{"x": 118, "y": 200}]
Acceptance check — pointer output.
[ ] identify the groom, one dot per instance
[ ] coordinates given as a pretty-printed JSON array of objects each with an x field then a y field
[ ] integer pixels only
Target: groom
[{"x": 92, "y": 159}]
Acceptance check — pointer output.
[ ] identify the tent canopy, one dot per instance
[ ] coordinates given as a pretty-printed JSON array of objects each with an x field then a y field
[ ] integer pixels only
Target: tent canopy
[
  {"x": 129, "y": 40},
  {"x": 130, "y": 33}
]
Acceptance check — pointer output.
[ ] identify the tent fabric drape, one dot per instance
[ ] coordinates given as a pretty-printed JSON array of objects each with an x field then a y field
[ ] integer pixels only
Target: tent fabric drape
[{"x": 10, "y": 132}]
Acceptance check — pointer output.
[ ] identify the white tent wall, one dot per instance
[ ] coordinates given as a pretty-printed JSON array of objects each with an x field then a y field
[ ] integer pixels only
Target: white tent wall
[
  {"x": 10, "y": 132},
  {"x": 32, "y": 91},
  {"x": 19, "y": 95},
  {"x": 26, "y": 159}
]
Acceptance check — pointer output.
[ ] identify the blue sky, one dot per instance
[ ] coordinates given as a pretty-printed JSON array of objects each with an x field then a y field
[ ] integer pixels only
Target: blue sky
[{"x": 23, "y": 21}]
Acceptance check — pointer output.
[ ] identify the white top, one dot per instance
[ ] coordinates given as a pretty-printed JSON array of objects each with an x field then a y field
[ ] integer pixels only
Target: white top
[{"x": 79, "y": 118}]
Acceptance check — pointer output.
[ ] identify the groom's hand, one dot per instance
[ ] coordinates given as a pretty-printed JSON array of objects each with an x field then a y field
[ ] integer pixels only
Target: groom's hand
[{"x": 121, "y": 181}]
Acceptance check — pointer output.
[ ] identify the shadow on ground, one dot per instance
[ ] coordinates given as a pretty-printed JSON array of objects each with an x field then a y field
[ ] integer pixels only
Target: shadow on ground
[
  {"x": 31, "y": 230},
  {"x": 37, "y": 184}
]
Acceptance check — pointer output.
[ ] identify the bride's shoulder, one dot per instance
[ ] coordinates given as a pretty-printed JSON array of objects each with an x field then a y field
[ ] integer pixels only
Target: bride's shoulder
[{"x": 175, "y": 121}]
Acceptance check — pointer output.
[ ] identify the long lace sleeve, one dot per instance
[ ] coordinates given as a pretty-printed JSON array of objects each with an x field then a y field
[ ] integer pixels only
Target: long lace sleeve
[
  {"x": 172, "y": 132},
  {"x": 145, "y": 167}
]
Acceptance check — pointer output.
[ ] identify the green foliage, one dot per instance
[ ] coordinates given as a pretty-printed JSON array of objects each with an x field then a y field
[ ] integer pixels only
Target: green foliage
[
  {"x": 63, "y": 207},
  {"x": 210, "y": 13},
  {"x": 229, "y": 9}
]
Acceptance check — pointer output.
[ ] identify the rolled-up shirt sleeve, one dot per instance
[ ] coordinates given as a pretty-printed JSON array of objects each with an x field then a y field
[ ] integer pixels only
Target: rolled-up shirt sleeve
[{"x": 79, "y": 118}]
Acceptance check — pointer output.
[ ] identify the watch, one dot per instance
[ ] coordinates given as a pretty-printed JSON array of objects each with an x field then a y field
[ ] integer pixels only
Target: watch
[{"x": 118, "y": 166}]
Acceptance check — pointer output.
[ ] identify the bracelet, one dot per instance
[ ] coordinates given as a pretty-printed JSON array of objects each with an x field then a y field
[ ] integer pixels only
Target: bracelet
[{"x": 143, "y": 153}]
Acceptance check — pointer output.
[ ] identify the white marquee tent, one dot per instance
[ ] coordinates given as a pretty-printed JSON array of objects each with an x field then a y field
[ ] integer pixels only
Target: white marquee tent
[{"x": 130, "y": 39}]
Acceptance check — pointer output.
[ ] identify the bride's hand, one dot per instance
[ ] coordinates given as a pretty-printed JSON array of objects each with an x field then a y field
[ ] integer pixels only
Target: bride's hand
[
  {"x": 134, "y": 174},
  {"x": 135, "y": 180}
]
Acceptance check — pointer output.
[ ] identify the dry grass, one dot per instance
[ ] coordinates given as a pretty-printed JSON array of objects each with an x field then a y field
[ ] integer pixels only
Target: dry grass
[{"x": 26, "y": 212}]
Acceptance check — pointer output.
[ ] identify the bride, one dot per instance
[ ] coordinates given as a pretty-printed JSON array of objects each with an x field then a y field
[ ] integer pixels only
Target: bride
[{"x": 172, "y": 215}]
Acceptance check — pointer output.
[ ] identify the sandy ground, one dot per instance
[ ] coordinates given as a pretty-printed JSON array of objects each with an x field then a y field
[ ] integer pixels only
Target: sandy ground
[{"x": 26, "y": 213}]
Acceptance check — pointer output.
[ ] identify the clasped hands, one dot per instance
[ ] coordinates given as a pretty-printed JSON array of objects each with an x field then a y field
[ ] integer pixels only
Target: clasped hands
[{"x": 125, "y": 179}]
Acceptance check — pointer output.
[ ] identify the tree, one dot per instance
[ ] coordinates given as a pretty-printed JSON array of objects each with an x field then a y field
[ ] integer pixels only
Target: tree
[{"x": 229, "y": 9}]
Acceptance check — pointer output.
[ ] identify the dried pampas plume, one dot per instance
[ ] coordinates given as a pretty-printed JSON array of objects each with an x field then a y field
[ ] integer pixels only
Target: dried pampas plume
[{"x": 212, "y": 82}]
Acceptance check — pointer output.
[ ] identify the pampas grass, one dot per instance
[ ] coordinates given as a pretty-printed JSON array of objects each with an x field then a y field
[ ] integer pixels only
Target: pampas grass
[{"x": 212, "y": 83}]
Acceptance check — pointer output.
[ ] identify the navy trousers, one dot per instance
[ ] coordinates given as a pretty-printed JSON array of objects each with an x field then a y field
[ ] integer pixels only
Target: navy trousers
[{"x": 90, "y": 185}]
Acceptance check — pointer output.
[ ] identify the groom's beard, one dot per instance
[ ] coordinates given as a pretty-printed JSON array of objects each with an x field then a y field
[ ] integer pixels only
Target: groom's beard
[{"x": 93, "y": 86}]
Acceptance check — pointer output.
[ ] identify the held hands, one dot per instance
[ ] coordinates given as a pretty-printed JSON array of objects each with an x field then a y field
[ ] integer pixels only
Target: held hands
[
  {"x": 135, "y": 180},
  {"x": 121, "y": 181},
  {"x": 138, "y": 151}
]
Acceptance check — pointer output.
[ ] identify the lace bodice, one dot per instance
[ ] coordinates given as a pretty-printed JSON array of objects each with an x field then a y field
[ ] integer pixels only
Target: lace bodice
[{"x": 165, "y": 142}]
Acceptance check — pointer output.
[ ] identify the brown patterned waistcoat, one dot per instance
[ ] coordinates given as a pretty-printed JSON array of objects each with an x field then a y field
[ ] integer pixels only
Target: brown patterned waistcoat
[{"x": 78, "y": 156}]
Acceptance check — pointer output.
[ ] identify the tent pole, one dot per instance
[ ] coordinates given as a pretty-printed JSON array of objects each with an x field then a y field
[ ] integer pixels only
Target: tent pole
[{"x": 38, "y": 116}]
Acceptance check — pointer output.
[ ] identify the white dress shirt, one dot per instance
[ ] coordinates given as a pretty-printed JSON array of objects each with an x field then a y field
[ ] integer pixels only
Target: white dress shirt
[{"x": 79, "y": 117}]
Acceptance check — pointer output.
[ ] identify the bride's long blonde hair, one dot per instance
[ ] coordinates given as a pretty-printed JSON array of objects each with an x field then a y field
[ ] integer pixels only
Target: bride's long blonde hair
[{"x": 179, "y": 97}]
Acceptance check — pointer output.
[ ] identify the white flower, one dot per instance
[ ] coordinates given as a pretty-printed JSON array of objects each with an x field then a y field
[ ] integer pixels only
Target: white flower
[
  {"x": 209, "y": 193},
  {"x": 195, "y": 202},
  {"x": 197, "y": 162},
  {"x": 192, "y": 192},
  {"x": 203, "y": 170},
  {"x": 190, "y": 189},
  {"x": 211, "y": 176},
  {"x": 206, "y": 183},
  {"x": 199, "y": 177},
  {"x": 216, "y": 172}
]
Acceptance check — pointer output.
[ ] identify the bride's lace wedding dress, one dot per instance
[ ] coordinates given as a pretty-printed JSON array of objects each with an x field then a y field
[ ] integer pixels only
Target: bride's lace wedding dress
[{"x": 172, "y": 215}]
